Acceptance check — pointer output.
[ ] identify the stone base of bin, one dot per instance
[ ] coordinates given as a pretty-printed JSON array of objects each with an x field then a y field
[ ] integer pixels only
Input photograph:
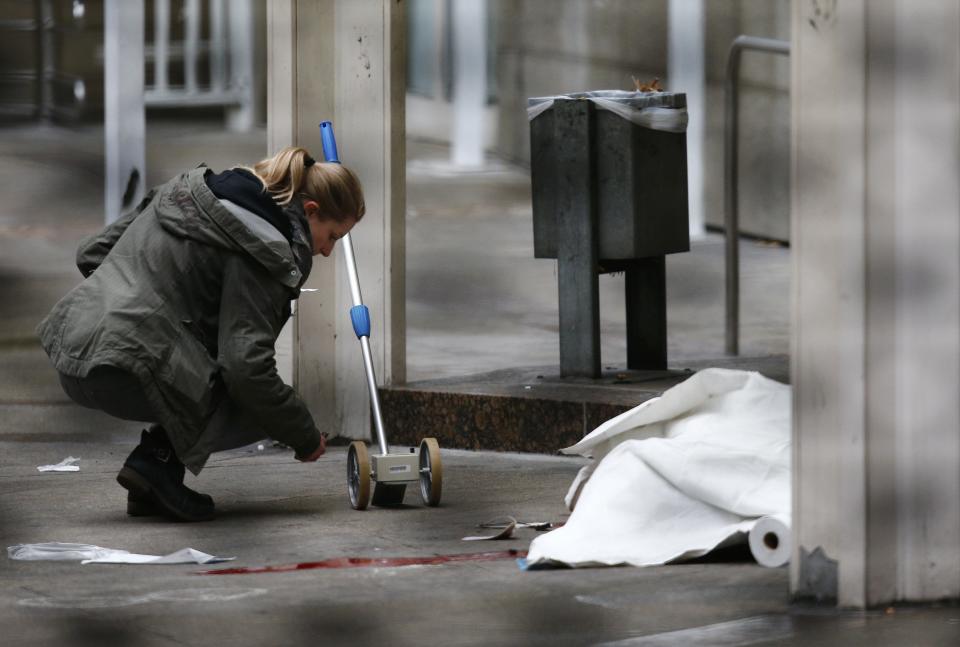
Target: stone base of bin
[{"x": 531, "y": 409}]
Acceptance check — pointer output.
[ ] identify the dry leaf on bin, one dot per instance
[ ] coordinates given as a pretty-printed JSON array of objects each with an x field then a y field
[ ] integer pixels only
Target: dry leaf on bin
[{"x": 652, "y": 86}]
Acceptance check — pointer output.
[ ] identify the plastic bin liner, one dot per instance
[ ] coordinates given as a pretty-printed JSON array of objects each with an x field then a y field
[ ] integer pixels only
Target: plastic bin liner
[
  {"x": 666, "y": 111},
  {"x": 678, "y": 475}
]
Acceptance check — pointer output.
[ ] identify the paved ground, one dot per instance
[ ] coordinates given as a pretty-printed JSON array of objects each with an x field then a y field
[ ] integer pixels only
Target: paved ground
[
  {"x": 276, "y": 511},
  {"x": 477, "y": 299}
]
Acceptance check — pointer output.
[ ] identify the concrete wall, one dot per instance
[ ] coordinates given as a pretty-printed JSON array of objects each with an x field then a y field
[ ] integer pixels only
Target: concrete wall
[
  {"x": 17, "y": 54},
  {"x": 764, "y": 117},
  {"x": 556, "y": 46},
  {"x": 559, "y": 46},
  {"x": 78, "y": 52}
]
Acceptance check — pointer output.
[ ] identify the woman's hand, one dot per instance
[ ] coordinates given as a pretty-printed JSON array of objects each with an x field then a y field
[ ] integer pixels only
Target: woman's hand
[{"x": 318, "y": 452}]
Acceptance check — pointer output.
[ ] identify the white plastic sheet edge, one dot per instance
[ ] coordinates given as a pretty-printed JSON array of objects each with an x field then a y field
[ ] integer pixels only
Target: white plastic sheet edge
[
  {"x": 651, "y": 415},
  {"x": 645, "y": 420}
]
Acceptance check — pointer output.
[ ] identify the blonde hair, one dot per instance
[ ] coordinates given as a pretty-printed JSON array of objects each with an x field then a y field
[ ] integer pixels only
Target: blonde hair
[{"x": 334, "y": 187}]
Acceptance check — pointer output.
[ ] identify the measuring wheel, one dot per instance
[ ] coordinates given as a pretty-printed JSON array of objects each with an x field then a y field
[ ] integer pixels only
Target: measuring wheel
[
  {"x": 391, "y": 473},
  {"x": 358, "y": 475},
  {"x": 431, "y": 472}
]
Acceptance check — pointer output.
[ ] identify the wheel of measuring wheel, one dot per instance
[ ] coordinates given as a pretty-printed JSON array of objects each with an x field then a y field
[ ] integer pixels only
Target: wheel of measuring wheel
[
  {"x": 358, "y": 475},
  {"x": 431, "y": 472}
]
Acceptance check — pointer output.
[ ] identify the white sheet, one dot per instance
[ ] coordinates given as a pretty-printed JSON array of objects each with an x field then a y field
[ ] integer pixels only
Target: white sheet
[{"x": 678, "y": 475}]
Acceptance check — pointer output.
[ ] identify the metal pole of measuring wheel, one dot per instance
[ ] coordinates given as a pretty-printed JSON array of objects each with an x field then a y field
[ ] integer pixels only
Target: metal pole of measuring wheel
[
  {"x": 731, "y": 176},
  {"x": 359, "y": 314}
]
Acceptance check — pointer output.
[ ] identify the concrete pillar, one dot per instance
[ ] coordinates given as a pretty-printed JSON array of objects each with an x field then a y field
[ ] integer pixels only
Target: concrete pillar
[
  {"x": 240, "y": 15},
  {"x": 686, "y": 72},
  {"x": 161, "y": 45},
  {"x": 469, "y": 18},
  {"x": 876, "y": 347},
  {"x": 343, "y": 61},
  {"x": 191, "y": 44},
  {"x": 124, "y": 115}
]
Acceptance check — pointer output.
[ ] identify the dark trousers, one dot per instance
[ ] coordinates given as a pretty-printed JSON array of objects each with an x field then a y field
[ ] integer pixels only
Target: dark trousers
[{"x": 119, "y": 394}]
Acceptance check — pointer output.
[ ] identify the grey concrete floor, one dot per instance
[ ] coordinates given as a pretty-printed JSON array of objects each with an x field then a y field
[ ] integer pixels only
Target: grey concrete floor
[{"x": 478, "y": 301}]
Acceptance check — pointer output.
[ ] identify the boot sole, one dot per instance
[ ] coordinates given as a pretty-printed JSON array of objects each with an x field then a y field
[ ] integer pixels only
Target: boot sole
[
  {"x": 143, "y": 508},
  {"x": 133, "y": 482}
]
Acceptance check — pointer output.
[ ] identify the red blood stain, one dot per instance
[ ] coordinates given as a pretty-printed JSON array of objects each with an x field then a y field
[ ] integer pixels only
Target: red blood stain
[{"x": 364, "y": 562}]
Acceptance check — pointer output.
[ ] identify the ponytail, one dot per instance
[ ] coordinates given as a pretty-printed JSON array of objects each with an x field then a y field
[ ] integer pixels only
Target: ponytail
[
  {"x": 334, "y": 187},
  {"x": 282, "y": 174}
]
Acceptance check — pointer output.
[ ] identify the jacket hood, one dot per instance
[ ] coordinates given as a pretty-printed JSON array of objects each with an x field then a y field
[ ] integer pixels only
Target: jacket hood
[
  {"x": 241, "y": 187},
  {"x": 187, "y": 208}
]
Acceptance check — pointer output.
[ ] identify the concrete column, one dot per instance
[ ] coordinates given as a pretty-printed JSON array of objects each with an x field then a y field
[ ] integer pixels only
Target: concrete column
[
  {"x": 686, "y": 72},
  {"x": 124, "y": 116},
  {"x": 191, "y": 44},
  {"x": 161, "y": 45},
  {"x": 218, "y": 41},
  {"x": 240, "y": 15},
  {"x": 469, "y": 18},
  {"x": 876, "y": 347},
  {"x": 343, "y": 61}
]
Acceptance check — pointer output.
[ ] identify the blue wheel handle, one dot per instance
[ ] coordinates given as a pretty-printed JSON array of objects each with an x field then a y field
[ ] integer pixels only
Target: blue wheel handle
[
  {"x": 360, "y": 317},
  {"x": 329, "y": 142}
]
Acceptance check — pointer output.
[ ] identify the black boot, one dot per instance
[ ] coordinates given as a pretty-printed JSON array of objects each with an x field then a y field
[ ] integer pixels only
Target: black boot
[
  {"x": 153, "y": 474},
  {"x": 139, "y": 505},
  {"x": 142, "y": 506}
]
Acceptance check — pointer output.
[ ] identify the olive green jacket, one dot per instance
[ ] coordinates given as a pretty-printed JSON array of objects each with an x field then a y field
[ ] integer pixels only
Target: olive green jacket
[{"x": 189, "y": 294}]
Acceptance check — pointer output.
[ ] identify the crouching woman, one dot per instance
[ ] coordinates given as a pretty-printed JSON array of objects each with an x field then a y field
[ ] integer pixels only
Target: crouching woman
[{"x": 182, "y": 302}]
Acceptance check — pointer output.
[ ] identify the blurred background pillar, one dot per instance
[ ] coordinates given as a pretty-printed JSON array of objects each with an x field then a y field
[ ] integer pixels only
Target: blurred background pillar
[
  {"x": 124, "y": 113},
  {"x": 686, "y": 73},
  {"x": 876, "y": 337},
  {"x": 469, "y": 82},
  {"x": 240, "y": 116},
  {"x": 344, "y": 61}
]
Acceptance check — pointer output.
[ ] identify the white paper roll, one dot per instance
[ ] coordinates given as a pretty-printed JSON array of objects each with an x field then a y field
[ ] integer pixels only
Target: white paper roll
[{"x": 770, "y": 541}]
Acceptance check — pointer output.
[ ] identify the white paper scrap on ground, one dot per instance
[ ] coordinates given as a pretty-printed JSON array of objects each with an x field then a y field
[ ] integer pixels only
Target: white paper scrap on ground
[
  {"x": 68, "y": 464},
  {"x": 678, "y": 475},
  {"x": 56, "y": 551},
  {"x": 182, "y": 556},
  {"x": 90, "y": 554},
  {"x": 505, "y": 533}
]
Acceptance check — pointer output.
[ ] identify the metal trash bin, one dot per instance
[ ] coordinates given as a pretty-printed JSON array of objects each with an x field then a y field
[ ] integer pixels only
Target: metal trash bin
[{"x": 609, "y": 175}]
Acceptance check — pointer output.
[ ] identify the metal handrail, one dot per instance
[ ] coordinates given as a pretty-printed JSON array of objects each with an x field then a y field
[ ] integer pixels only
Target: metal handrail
[
  {"x": 731, "y": 176},
  {"x": 230, "y": 57}
]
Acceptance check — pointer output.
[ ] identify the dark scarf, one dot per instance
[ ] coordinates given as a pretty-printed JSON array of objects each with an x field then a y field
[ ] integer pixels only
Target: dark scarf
[{"x": 243, "y": 188}]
